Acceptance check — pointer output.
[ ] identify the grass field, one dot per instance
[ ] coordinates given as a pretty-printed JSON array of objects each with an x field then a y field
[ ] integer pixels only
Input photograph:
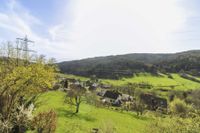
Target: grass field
[
  {"x": 89, "y": 116},
  {"x": 177, "y": 83},
  {"x": 158, "y": 82}
]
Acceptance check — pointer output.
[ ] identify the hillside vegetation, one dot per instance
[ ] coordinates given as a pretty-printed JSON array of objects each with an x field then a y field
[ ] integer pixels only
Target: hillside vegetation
[
  {"x": 157, "y": 82},
  {"x": 118, "y": 66},
  {"x": 174, "y": 82}
]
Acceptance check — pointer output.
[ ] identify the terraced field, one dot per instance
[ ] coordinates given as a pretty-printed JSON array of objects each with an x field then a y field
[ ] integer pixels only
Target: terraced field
[{"x": 158, "y": 82}]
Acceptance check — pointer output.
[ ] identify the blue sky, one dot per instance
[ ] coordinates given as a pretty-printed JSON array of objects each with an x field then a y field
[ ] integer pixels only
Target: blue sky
[{"x": 75, "y": 29}]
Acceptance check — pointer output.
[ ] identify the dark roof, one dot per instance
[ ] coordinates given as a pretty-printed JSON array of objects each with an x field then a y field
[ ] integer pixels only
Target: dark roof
[{"x": 112, "y": 94}]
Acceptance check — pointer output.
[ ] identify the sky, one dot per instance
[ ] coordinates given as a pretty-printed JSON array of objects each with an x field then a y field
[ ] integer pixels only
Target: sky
[{"x": 77, "y": 29}]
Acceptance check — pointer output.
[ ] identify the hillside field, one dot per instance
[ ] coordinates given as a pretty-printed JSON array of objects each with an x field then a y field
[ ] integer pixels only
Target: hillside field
[
  {"x": 89, "y": 116},
  {"x": 158, "y": 82}
]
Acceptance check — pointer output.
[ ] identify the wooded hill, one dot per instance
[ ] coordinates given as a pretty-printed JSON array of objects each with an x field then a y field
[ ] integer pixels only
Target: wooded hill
[{"x": 118, "y": 66}]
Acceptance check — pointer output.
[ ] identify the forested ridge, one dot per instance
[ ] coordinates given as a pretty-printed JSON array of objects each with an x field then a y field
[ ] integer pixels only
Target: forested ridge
[{"x": 126, "y": 65}]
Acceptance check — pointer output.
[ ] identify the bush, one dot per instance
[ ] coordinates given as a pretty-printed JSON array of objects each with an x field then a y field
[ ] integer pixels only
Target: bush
[
  {"x": 174, "y": 125},
  {"x": 22, "y": 118},
  {"x": 19, "y": 121},
  {"x": 92, "y": 99},
  {"x": 180, "y": 108},
  {"x": 5, "y": 126},
  {"x": 139, "y": 107},
  {"x": 194, "y": 98},
  {"x": 45, "y": 122}
]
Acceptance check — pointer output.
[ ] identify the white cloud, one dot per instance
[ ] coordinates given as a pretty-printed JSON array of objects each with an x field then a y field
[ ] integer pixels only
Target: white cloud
[
  {"x": 104, "y": 27},
  {"x": 101, "y": 27}
]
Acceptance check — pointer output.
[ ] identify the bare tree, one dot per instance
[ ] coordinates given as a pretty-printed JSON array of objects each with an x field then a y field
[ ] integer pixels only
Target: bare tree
[{"x": 75, "y": 95}]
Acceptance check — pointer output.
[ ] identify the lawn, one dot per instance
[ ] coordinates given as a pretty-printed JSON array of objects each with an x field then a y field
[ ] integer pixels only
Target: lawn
[{"x": 89, "y": 116}]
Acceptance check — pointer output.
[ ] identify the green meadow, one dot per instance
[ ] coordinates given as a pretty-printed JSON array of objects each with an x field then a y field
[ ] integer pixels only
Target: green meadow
[
  {"x": 89, "y": 116},
  {"x": 158, "y": 82},
  {"x": 106, "y": 119}
]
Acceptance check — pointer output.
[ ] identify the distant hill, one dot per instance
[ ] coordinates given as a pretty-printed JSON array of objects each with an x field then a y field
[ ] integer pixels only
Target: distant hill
[{"x": 125, "y": 65}]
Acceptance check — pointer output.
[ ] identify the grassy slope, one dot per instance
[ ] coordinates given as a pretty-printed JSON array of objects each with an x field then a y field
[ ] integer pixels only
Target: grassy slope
[
  {"x": 89, "y": 116},
  {"x": 158, "y": 82}
]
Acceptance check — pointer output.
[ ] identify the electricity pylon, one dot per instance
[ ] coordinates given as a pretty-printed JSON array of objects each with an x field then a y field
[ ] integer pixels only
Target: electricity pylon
[{"x": 25, "y": 47}]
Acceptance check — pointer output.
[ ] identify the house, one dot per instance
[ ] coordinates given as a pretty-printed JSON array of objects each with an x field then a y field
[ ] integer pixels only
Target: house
[
  {"x": 153, "y": 102},
  {"x": 126, "y": 97},
  {"x": 93, "y": 86},
  {"x": 112, "y": 94},
  {"x": 110, "y": 97},
  {"x": 115, "y": 98}
]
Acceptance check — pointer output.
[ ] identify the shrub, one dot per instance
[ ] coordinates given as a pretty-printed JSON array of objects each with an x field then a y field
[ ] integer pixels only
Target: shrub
[
  {"x": 45, "y": 122},
  {"x": 22, "y": 118},
  {"x": 5, "y": 126},
  {"x": 92, "y": 99},
  {"x": 174, "y": 125},
  {"x": 139, "y": 107},
  {"x": 19, "y": 120},
  {"x": 194, "y": 98},
  {"x": 180, "y": 108}
]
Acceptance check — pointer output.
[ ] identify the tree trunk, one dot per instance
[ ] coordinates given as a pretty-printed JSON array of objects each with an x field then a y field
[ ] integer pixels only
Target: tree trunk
[{"x": 77, "y": 107}]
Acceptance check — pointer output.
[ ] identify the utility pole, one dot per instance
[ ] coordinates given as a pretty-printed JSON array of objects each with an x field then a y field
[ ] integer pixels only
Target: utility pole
[{"x": 25, "y": 43}]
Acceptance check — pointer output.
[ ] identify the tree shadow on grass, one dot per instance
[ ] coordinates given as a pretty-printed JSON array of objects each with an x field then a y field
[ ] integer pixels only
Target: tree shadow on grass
[{"x": 62, "y": 112}]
